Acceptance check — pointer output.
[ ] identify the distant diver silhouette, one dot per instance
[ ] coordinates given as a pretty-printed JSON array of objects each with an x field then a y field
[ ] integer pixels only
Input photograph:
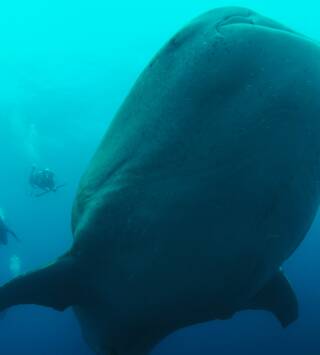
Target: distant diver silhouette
[
  {"x": 4, "y": 232},
  {"x": 43, "y": 180}
]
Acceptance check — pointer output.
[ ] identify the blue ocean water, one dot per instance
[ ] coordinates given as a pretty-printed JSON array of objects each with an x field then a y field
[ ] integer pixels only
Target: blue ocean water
[{"x": 65, "y": 67}]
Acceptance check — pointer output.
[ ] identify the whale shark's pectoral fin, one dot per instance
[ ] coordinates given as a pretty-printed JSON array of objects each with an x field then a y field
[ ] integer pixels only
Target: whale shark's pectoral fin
[
  {"x": 54, "y": 286},
  {"x": 278, "y": 297}
]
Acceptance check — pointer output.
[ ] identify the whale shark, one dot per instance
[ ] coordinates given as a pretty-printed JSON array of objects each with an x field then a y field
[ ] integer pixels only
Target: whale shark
[{"x": 205, "y": 182}]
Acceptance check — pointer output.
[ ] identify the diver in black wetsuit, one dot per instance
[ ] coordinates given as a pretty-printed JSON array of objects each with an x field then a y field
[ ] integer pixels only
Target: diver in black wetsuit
[
  {"x": 43, "y": 180},
  {"x": 4, "y": 232}
]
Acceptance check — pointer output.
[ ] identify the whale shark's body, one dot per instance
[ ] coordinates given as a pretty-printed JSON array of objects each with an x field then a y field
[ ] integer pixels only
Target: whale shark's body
[{"x": 206, "y": 181}]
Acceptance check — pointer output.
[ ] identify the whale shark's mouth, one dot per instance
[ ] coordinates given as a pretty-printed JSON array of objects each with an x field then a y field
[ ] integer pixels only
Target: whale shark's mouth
[
  {"x": 236, "y": 20},
  {"x": 251, "y": 18}
]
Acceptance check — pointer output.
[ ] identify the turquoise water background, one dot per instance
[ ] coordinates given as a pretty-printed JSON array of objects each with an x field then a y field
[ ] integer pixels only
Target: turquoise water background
[{"x": 65, "y": 67}]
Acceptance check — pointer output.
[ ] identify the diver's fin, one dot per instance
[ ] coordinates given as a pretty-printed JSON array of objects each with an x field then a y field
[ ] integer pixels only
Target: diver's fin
[
  {"x": 48, "y": 191},
  {"x": 277, "y": 297},
  {"x": 56, "y": 286}
]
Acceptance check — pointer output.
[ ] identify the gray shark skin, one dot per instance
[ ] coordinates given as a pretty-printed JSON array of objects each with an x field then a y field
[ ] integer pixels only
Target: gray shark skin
[{"x": 204, "y": 184}]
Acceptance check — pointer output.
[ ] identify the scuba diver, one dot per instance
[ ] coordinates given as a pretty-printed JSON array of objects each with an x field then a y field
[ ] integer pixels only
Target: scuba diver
[
  {"x": 4, "y": 232},
  {"x": 44, "y": 180}
]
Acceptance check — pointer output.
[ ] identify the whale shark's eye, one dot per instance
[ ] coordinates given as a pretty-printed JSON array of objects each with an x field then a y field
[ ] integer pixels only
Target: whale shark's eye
[{"x": 182, "y": 37}]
